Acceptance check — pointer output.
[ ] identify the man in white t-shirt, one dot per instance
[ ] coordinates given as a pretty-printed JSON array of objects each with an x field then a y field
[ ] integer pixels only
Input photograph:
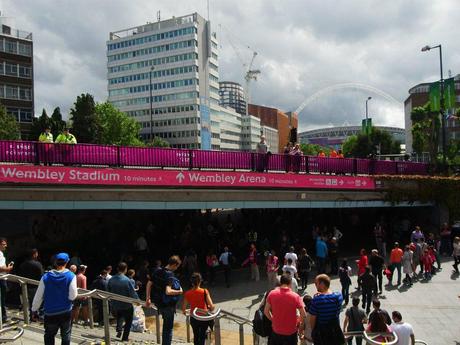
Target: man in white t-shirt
[
  {"x": 4, "y": 268},
  {"x": 291, "y": 255},
  {"x": 290, "y": 268},
  {"x": 402, "y": 329}
]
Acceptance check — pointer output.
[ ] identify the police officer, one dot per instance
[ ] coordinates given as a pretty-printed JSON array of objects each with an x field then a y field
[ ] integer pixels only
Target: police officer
[
  {"x": 44, "y": 149},
  {"x": 65, "y": 150},
  {"x": 66, "y": 137},
  {"x": 46, "y": 136}
]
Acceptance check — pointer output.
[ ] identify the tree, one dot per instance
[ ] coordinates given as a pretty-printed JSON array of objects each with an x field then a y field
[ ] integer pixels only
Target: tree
[
  {"x": 85, "y": 122},
  {"x": 117, "y": 127},
  {"x": 363, "y": 145},
  {"x": 38, "y": 125},
  {"x": 158, "y": 142},
  {"x": 9, "y": 127},
  {"x": 57, "y": 123},
  {"x": 313, "y": 149},
  {"x": 425, "y": 130}
]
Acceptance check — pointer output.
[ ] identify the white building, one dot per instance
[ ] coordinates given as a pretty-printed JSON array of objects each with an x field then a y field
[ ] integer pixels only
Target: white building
[
  {"x": 271, "y": 138},
  {"x": 180, "y": 54},
  {"x": 181, "y": 57}
]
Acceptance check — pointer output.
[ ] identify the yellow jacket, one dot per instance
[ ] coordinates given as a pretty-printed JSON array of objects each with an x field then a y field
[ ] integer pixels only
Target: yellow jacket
[
  {"x": 46, "y": 137},
  {"x": 66, "y": 139}
]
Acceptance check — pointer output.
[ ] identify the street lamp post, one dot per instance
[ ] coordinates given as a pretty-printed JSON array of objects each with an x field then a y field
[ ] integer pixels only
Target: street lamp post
[
  {"x": 367, "y": 109},
  {"x": 443, "y": 119},
  {"x": 151, "y": 102}
]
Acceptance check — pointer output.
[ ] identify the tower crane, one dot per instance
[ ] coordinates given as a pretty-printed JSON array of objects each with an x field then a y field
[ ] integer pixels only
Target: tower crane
[{"x": 251, "y": 74}]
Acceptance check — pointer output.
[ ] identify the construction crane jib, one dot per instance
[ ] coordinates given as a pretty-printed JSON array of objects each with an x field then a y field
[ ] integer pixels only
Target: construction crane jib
[{"x": 250, "y": 75}]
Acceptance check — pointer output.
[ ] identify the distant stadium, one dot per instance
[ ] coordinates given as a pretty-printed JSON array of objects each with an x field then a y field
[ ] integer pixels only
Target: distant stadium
[{"x": 335, "y": 136}]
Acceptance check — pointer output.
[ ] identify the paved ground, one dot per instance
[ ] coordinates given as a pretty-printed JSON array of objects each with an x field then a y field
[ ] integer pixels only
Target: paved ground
[{"x": 433, "y": 308}]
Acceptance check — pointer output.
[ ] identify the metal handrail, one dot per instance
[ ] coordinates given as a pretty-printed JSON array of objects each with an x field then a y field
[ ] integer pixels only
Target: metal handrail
[
  {"x": 370, "y": 336},
  {"x": 105, "y": 296},
  {"x": 19, "y": 330},
  {"x": 208, "y": 317}
]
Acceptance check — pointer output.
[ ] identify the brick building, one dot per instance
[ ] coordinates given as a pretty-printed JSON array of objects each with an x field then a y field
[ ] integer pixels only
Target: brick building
[{"x": 277, "y": 119}]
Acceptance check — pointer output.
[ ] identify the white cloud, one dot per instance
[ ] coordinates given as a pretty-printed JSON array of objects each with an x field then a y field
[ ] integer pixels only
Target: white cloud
[{"x": 303, "y": 46}]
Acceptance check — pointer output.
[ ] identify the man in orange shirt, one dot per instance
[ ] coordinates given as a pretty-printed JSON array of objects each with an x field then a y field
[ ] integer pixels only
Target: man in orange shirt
[
  {"x": 395, "y": 261},
  {"x": 333, "y": 153}
]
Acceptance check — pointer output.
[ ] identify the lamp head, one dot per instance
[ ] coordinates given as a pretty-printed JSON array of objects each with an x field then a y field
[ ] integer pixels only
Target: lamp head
[
  {"x": 426, "y": 48},
  {"x": 369, "y": 98}
]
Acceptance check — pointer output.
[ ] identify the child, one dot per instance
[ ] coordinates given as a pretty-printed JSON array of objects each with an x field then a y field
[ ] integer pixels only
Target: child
[
  {"x": 427, "y": 262},
  {"x": 307, "y": 339}
]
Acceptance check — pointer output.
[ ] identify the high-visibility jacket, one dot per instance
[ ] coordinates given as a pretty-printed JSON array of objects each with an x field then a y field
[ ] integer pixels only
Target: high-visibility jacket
[
  {"x": 46, "y": 137},
  {"x": 66, "y": 139}
]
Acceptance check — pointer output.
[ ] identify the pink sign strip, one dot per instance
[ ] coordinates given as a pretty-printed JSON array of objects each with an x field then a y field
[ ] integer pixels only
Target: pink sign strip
[{"x": 176, "y": 178}]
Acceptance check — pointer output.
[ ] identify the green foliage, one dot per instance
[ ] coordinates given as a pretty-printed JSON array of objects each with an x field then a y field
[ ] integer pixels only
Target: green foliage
[
  {"x": 442, "y": 190},
  {"x": 117, "y": 128},
  {"x": 38, "y": 125},
  {"x": 313, "y": 149},
  {"x": 9, "y": 127},
  {"x": 57, "y": 123},
  {"x": 85, "y": 122},
  {"x": 425, "y": 130},
  {"x": 362, "y": 145},
  {"x": 158, "y": 142}
]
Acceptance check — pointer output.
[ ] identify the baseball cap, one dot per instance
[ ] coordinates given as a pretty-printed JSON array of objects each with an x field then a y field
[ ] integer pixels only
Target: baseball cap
[{"x": 63, "y": 257}]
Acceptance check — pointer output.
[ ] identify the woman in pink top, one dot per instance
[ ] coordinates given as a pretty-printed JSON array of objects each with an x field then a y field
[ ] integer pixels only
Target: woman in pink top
[
  {"x": 272, "y": 269},
  {"x": 252, "y": 261},
  {"x": 362, "y": 263}
]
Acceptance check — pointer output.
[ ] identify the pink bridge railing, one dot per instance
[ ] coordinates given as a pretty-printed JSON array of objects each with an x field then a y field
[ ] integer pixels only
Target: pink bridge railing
[{"x": 121, "y": 156}]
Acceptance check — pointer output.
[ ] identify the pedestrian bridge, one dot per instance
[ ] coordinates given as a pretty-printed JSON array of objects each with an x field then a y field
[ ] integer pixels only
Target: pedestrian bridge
[{"x": 58, "y": 176}]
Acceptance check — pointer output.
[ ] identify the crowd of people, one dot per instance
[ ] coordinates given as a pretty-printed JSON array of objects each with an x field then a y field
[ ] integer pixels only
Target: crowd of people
[{"x": 289, "y": 263}]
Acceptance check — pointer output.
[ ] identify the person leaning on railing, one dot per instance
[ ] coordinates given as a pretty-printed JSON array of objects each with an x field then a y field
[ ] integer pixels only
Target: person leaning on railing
[
  {"x": 46, "y": 140},
  {"x": 66, "y": 138},
  {"x": 198, "y": 298}
]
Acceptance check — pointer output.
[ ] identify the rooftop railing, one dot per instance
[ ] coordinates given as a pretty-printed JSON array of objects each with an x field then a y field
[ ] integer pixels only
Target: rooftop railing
[{"x": 28, "y": 152}]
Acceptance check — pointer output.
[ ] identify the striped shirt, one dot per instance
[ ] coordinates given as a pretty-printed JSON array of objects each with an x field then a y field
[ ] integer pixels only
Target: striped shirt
[{"x": 326, "y": 307}]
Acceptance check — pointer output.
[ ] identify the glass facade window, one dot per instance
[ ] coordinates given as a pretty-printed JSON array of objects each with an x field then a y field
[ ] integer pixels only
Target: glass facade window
[
  {"x": 21, "y": 114},
  {"x": 153, "y": 50},
  {"x": 152, "y": 38},
  {"x": 155, "y": 74},
  {"x": 153, "y": 62}
]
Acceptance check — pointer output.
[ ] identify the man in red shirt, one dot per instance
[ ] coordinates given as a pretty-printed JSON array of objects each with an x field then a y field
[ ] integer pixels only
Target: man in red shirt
[
  {"x": 281, "y": 308},
  {"x": 395, "y": 261}
]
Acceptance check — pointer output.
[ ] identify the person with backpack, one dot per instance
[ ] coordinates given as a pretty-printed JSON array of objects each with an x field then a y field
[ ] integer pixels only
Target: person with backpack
[
  {"x": 305, "y": 263},
  {"x": 164, "y": 290},
  {"x": 200, "y": 298},
  {"x": 281, "y": 308},
  {"x": 354, "y": 321}
]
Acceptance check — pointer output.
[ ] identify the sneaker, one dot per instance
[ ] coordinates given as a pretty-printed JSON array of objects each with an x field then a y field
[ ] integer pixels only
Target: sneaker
[{"x": 118, "y": 334}]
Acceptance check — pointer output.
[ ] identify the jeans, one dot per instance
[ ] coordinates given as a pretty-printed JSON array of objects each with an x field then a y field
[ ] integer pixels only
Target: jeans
[
  {"x": 304, "y": 279},
  {"x": 358, "y": 340},
  {"x": 227, "y": 271},
  {"x": 127, "y": 316},
  {"x": 321, "y": 262},
  {"x": 346, "y": 292},
  {"x": 379, "y": 276},
  {"x": 255, "y": 272},
  {"x": 53, "y": 323},
  {"x": 168, "y": 322},
  {"x": 3, "y": 299},
  {"x": 272, "y": 280},
  {"x": 199, "y": 331},
  {"x": 397, "y": 266},
  {"x": 367, "y": 299},
  {"x": 278, "y": 339}
]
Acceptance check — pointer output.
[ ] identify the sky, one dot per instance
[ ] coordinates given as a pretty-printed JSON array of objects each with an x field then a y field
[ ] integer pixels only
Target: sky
[{"x": 329, "y": 54}]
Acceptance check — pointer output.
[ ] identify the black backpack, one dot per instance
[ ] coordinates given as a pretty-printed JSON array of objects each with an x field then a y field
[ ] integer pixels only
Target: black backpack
[
  {"x": 261, "y": 324},
  {"x": 160, "y": 278}
]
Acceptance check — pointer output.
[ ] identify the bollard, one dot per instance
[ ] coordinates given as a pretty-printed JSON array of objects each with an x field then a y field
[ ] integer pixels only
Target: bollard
[
  {"x": 157, "y": 321},
  {"x": 105, "y": 310},
  {"x": 187, "y": 327},
  {"x": 90, "y": 310},
  {"x": 25, "y": 303},
  {"x": 241, "y": 334},
  {"x": 217, "y": 335}
]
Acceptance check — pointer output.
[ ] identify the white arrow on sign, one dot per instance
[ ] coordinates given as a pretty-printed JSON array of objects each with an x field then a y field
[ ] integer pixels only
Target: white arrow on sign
[{"x": 180, "y": 177}]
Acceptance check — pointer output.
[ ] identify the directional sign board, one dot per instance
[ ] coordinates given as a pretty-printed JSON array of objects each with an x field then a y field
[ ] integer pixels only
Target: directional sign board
[{"x": 30, "y": 174}]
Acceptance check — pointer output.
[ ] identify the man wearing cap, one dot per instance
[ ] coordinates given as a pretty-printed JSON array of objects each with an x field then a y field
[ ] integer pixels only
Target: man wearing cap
[
  {"x": 45, "y": 139},
  {"x": 57, "y": 290}
]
